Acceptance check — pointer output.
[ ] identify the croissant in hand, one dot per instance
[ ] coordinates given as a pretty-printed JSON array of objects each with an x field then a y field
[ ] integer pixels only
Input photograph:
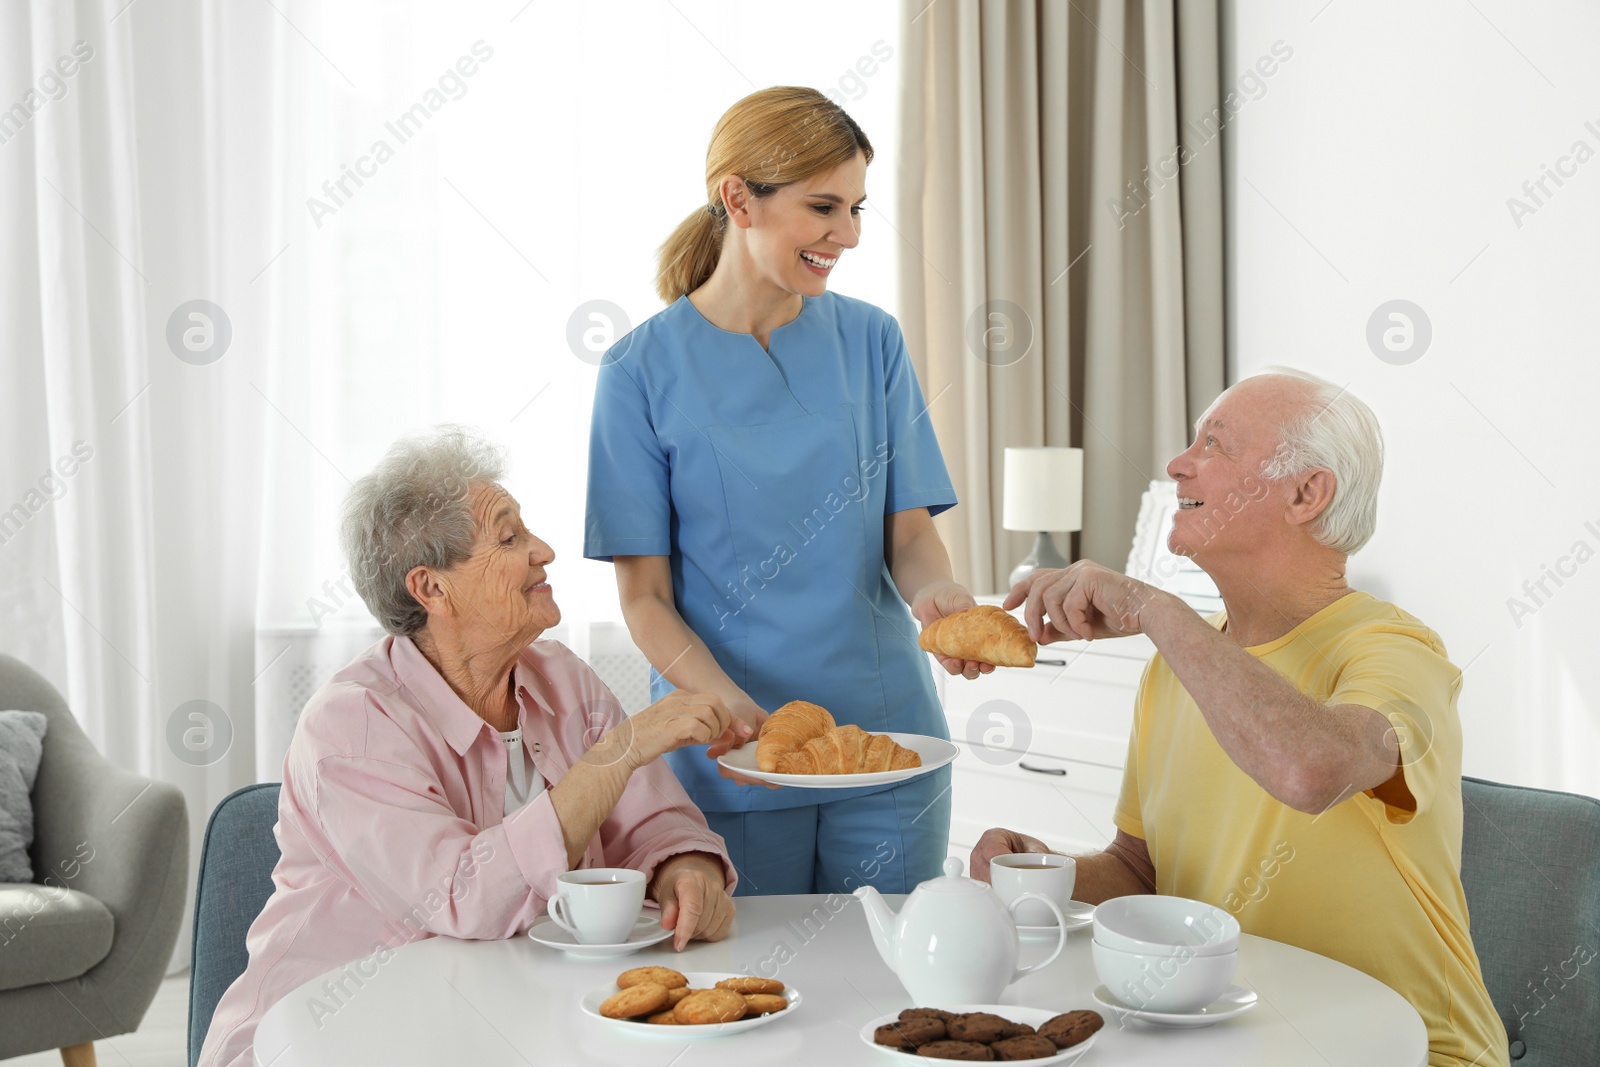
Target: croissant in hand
[
  {"x": 802, "y": 738},
  {"x": 984, "y": 634}
]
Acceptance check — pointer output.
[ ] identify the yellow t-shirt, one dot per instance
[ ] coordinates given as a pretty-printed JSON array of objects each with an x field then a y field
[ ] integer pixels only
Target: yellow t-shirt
[{"x": 1372, "y": 885}]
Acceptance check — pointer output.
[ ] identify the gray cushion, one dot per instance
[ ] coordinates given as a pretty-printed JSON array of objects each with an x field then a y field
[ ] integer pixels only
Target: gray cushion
[
  {"x": 21, "y": 745},
  {"x": 49, "y": 934}
]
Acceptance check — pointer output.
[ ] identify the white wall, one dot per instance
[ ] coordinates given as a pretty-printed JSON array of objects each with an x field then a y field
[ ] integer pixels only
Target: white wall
[{"x": 1377, "y": 164}]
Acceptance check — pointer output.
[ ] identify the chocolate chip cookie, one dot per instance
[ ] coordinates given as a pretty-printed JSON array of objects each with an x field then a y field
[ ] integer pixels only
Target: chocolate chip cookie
[
  {"x": 910, "y": 1033},
  {"x": 956, "y": 1050},
  {"x": 980, "y": 1026},
  {"x": 1024, "y": 1047},
  {"x": 1070, "y": 1028}
]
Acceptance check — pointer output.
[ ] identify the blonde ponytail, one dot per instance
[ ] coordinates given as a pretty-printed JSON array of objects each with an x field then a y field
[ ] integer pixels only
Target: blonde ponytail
[
  {"x": 771, "y": 138},
  {"x": 687, "y": 258}
]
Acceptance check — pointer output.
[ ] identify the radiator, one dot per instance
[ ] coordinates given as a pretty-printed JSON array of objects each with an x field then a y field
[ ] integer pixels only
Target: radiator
[{"x": 293, "y": 662}]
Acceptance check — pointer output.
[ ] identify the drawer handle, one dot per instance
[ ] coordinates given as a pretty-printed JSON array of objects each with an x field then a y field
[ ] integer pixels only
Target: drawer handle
[
  {"x": 1049, "y": 663},
  {"x": 1059, "y": 772}
]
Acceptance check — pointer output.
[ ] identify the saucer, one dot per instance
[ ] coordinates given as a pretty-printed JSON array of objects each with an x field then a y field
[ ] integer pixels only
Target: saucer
[
  {"x": 1077, "y": 913},
  {"x": 1235, "y": 1000},
  {"x": 647, "y": 931}
]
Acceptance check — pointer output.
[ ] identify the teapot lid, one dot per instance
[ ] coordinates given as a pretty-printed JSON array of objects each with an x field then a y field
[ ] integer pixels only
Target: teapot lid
[{"x": 953, "y": 882}]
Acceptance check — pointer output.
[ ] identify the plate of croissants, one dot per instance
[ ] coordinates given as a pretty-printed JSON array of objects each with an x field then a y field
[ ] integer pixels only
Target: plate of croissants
[{"x": 800, "y": 744}]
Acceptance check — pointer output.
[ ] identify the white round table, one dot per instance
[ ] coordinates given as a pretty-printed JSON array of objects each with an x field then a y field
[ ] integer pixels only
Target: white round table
[{"x": 444, "y": 1001}]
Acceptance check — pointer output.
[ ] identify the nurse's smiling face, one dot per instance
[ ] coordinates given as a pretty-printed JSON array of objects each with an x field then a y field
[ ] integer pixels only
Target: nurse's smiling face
[{"x": 796, "y": 235}]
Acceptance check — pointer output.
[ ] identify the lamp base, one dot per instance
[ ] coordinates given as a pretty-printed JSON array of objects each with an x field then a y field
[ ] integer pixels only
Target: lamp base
[{"x": 1044, "y": 555}]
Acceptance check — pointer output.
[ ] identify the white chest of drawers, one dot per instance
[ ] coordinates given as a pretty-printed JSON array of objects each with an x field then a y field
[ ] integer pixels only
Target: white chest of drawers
[{"x": 1042, "y": 748}]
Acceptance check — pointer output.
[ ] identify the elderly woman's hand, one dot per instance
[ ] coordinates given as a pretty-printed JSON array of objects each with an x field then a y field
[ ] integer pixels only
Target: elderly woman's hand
[
  {"x": 693, "y": 898},
  {"x": 676, "y": 720}
]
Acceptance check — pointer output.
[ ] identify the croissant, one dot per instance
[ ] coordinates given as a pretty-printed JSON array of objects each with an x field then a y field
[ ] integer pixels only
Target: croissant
[
  {"x": 848, "y": 750},
  {"x": 787, "y": 729},
  {"x": 984, "y": 634},
  {"x": 802, "y": 738}
]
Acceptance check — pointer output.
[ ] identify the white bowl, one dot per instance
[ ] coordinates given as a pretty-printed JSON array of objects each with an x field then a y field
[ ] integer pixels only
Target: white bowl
[
  {"x": 1175, "y": 984},
  {"x": 1162, "y": 926}
]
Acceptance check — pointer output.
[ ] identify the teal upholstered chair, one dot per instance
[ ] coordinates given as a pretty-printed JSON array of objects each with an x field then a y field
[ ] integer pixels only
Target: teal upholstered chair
[
  {"x": 1530, "y": 863},
  {"x": 234, "y": 883}
]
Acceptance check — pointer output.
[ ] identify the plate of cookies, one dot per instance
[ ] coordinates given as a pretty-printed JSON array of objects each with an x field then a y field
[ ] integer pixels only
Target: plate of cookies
[
  {"x": 985, "y": 1032},
  {"x": 662, "y": 1002},
  {"x": 801, "y": 745}
]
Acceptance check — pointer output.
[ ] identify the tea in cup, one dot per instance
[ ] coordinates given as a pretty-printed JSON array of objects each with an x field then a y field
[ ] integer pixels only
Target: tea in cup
[
  {"x": 600, "y": 905},
  {"x": 1044, "y": 873}
]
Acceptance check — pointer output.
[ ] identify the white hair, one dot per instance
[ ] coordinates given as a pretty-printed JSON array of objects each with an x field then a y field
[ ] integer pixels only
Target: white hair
[
  {"x": 415, "y": 510},
  {"x": 1340, "y": 433}
]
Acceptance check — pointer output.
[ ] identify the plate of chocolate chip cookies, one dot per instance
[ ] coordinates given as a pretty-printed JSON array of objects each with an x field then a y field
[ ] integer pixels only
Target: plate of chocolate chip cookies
[
  {"x": 662, "y": 1002},
  {"x": 985, "y": 1032}
]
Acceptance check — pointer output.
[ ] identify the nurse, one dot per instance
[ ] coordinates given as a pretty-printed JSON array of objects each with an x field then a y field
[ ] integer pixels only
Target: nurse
[{"x": 763, "y": 475}]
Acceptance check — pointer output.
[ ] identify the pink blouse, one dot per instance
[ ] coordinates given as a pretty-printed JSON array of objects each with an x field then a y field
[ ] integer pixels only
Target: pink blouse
[{"x": 392, "y": 829}]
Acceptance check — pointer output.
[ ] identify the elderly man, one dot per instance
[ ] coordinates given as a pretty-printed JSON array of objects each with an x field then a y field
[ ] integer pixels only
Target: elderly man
[
  {"x": 1295, "y": 759},
  {"x": 441, "y": 783}
]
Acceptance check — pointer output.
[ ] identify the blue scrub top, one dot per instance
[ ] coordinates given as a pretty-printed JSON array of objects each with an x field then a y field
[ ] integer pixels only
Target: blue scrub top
[{"x": 765, "y": 476}]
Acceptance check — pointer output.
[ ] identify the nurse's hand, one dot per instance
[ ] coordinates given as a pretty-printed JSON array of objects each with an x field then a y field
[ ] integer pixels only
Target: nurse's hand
[
  {"x": 935, "y": 601},
  {"x": 748, "y": 717}
]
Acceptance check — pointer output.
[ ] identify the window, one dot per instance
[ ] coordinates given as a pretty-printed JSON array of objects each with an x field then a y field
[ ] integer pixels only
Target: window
[{"x": 457, "y": 181}]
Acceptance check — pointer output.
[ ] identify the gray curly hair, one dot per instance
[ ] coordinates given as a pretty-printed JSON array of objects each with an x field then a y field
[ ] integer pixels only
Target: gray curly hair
[{"x": 414, "y": 510}]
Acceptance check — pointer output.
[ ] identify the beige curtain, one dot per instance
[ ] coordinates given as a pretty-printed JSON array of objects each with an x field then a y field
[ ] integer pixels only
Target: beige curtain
[{"x": 1061, "y": 216}]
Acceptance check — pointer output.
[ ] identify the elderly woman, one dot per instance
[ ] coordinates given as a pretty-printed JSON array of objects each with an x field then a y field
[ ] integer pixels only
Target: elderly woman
[{"x": 443, "y": 781}]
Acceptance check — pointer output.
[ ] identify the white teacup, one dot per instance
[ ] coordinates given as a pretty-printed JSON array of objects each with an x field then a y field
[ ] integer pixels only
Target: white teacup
[
  {"x": 1043, "y": 873},
  {"x": 600, "y": 905}
]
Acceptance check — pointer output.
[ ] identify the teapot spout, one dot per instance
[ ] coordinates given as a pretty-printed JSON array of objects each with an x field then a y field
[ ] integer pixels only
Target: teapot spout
[{"x": 880, "y": 920}]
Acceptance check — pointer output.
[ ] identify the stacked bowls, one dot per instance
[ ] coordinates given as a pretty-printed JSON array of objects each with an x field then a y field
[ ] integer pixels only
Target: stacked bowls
[{"x": 1164, "y": 954}]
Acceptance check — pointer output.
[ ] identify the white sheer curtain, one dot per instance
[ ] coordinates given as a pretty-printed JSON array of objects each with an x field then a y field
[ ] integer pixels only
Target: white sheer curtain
[
  {"x": 130, "y": 507},
  {"x": 534, "y": 173}
]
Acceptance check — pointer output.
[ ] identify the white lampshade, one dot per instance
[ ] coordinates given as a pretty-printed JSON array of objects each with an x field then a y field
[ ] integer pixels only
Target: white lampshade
[{"x": 1044, "y": 489}]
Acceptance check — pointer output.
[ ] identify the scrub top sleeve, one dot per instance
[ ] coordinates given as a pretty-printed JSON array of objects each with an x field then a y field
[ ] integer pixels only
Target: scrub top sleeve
[
  {"x": 629, "y": 507},
  {"x": 917, "y": 477}
]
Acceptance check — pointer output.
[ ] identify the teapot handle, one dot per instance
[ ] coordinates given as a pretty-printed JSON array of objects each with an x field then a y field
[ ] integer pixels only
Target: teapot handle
[{"x": 1061, "y": 929}]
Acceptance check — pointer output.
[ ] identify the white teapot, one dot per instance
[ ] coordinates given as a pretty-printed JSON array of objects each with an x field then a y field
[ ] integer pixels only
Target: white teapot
[{"x": 953, "y": 941}]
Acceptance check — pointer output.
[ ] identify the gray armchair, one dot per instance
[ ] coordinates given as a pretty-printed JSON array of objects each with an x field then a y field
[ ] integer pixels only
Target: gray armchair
[{"x": 83, "y": 949}]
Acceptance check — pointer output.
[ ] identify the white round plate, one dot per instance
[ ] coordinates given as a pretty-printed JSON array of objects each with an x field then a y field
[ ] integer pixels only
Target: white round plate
[
  {"x": 1017, "y": 1013},
  {"x": 697, "y": 980},
  {"x": 1235, "y": 1000},
  {"x": 935, "y": 753},
  {"x": 1078, "y": 915},
  {"x": 647, "y": 931}
]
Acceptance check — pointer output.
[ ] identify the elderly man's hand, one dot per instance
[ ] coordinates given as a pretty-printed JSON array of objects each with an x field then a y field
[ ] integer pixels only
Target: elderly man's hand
[
  {"x": 934, "y": 602},
  {"x": 1083, "y": 602},
  {"x": 676, "y": 720},
  {"x": 998, "y": 842},
  {"x": 693, "y": 898}
]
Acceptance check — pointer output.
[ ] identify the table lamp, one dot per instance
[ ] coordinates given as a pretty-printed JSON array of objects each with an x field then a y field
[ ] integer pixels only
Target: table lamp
[{"x": 1043, "y": 492}]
